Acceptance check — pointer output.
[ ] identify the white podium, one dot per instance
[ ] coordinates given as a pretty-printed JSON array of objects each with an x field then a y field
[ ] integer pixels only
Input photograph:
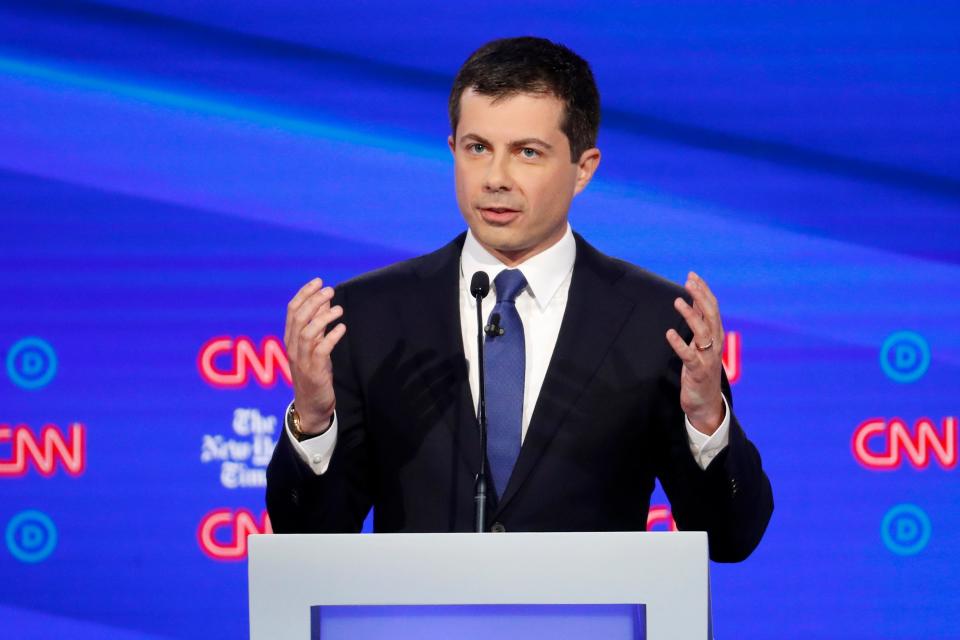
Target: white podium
[{"x": 371, "y": 579}]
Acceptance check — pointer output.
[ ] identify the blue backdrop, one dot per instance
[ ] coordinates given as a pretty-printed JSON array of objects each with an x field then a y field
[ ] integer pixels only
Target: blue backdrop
[{"x": 171, "y": 172}]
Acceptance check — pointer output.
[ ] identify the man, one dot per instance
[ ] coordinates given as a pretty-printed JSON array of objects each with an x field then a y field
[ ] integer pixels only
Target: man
[{"x": 600, "y": 376}]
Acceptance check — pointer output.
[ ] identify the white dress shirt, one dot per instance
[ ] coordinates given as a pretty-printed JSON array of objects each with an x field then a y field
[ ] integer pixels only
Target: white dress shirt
[{"x": 540, "y": 306}]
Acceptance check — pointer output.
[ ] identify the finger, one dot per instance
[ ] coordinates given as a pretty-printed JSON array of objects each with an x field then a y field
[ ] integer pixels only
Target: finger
[
  {"x": 305, "y": 292},
  {"x": 295, "y": 302},
  {"x": 701, "y": 303},
  {"x": 325, "y": 346},
  {"x": 317, "y": 327},
  {"x": 318, "y": 301},
  {"x": 707, "y": 303},
  {"x": 694, "y": 320},
  {"x": 703, "y": 294},
  {"x": 313, "y": 305},
  {"x": 685, "y": 352}
]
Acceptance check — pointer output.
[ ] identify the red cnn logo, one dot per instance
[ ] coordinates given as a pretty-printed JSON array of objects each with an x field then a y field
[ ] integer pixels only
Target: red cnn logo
[
  {"x": 660, "y": 516},
  {"x": 227, "y": 363},
  {"x": 223, "y": 533},
  {"x": 45, "y": 451},
  {"x": 896, "y": 440},
  {"x": 731, "y": 355}
]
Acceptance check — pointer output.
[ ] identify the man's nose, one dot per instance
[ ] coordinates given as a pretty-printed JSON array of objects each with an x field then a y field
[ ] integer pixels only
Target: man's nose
[{"x": 498, "y": 175}]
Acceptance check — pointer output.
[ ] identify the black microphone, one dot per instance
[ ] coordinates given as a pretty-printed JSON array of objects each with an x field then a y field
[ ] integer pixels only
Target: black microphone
[
  {"x": 479, "y": 288},
  {"x": 494, "y": 329},
  {"x": 480, "y": 285}
]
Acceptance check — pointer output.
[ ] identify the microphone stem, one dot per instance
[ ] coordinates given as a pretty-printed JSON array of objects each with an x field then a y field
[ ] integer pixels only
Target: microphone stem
[{"x": 480, "y": 495}]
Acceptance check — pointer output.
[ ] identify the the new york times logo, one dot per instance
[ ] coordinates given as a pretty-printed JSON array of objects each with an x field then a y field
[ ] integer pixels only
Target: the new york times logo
[{"x": 243, "y": 459}]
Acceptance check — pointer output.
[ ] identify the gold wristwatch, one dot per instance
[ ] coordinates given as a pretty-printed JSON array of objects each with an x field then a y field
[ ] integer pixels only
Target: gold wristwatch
[{"x": 293, "y": 423}]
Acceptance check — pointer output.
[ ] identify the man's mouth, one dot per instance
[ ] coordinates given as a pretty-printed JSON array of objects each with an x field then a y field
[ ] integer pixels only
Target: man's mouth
[{"x": 498, "y": 215}]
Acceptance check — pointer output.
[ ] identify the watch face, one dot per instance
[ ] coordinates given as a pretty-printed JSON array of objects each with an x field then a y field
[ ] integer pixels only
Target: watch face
[{"x": 294, "y": 422}]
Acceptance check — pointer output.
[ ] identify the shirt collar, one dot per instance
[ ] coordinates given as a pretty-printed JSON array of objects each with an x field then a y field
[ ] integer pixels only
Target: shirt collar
[{"x": 545, "y": 272}]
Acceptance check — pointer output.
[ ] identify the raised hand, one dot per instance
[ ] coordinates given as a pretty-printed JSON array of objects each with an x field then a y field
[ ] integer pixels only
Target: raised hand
[
  {"x": 700, "y": 395},
  {"x": 308, "y": 349}
]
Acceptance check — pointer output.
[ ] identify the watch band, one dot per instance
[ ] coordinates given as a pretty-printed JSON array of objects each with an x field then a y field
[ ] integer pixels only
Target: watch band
[
  {"x": 293, "y": 423},
  {"x": 292, "y": 420}
]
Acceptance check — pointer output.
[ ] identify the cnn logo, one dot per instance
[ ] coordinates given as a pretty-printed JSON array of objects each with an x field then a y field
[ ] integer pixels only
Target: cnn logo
[
  {"x": 223, "y": 532},
  {"x": 229, "y": 363},
  {"x": 44, "y": 452},
  {"x": 883, "y": 444}
]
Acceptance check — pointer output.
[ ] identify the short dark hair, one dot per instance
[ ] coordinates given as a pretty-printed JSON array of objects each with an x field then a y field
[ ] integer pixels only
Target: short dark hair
[{"x": 510, "y": 66}]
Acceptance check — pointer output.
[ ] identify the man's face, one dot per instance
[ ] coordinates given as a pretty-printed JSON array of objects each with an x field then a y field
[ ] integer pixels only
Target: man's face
[{"x": 514, "y": 176}]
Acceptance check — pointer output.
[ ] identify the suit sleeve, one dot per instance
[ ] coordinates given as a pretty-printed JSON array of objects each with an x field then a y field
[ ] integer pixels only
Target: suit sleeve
[
  {"x": 299, "y": 500},
  {"x": 731, "y": 499}
]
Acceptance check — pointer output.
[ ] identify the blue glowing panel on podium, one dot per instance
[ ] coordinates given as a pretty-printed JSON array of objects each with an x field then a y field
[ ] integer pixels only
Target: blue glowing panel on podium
[{"x": 478, "y": 622}]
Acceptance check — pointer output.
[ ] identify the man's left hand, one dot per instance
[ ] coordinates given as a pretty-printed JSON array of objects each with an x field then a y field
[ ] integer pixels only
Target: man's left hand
[{"x": 700, "y": 396}]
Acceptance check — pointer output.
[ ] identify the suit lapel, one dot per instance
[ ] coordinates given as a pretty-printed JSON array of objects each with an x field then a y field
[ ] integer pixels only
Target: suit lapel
[
  {"x": 432, "y": 319},
  {"x": 594, "y": 316}
]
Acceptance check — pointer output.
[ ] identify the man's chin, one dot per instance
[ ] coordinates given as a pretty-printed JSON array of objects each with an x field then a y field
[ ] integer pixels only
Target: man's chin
[
  {"x": 498, "y": 238},
  {"x": 510, "y": 250}
]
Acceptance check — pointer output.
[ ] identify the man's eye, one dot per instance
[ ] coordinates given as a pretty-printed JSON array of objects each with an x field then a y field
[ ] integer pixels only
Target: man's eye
[
  {"x": 476, "y": 147},
  {"x": 529, "y": 153}
]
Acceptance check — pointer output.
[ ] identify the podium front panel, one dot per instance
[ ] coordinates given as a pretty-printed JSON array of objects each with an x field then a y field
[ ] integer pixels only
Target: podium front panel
[{"x": 293, "y": 577}]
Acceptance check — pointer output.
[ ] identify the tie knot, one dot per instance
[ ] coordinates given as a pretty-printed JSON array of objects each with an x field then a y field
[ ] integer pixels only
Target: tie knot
[{"x": 509, "y": 284}]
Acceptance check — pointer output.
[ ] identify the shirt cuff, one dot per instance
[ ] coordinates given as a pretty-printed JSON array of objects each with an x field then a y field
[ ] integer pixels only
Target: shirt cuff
[
  {"x": 705, "y": 448},
  {"x": 315, "y": 452}
]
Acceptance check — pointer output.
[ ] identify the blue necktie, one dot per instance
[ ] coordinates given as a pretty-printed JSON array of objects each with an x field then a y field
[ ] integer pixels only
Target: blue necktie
[{"x": 504, "y": 363}]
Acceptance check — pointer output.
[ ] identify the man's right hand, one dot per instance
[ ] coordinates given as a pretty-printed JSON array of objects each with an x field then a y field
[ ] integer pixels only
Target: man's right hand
[{"x": 308, "y": 350}]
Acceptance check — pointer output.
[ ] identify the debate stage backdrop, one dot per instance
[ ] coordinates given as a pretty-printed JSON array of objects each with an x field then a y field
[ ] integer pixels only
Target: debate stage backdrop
[{"x": 172, "y": 171}]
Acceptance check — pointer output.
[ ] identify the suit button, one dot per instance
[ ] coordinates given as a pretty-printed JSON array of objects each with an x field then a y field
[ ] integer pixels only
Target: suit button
[
  {"x": 498, "y": 528},
  {"x": 733, "y": 486}
]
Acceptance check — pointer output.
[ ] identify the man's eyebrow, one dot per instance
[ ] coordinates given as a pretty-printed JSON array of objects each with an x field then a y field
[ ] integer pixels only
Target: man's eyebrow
[
  {"x": 526, "y": 142},
  {"x": 477, "y": 137}
]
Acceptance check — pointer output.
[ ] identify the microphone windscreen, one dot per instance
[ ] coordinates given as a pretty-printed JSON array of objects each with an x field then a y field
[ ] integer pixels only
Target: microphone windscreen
[{"x": 480, "y": 284}]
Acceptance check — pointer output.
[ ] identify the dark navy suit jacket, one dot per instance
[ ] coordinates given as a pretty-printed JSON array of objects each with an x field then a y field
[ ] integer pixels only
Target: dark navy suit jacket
[{"x": 606, "y": 424}]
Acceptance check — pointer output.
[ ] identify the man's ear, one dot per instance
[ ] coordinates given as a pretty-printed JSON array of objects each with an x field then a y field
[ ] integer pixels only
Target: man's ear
[
  {"x": 586, "y": 166},
  {"x": 450, "y": 144}
]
